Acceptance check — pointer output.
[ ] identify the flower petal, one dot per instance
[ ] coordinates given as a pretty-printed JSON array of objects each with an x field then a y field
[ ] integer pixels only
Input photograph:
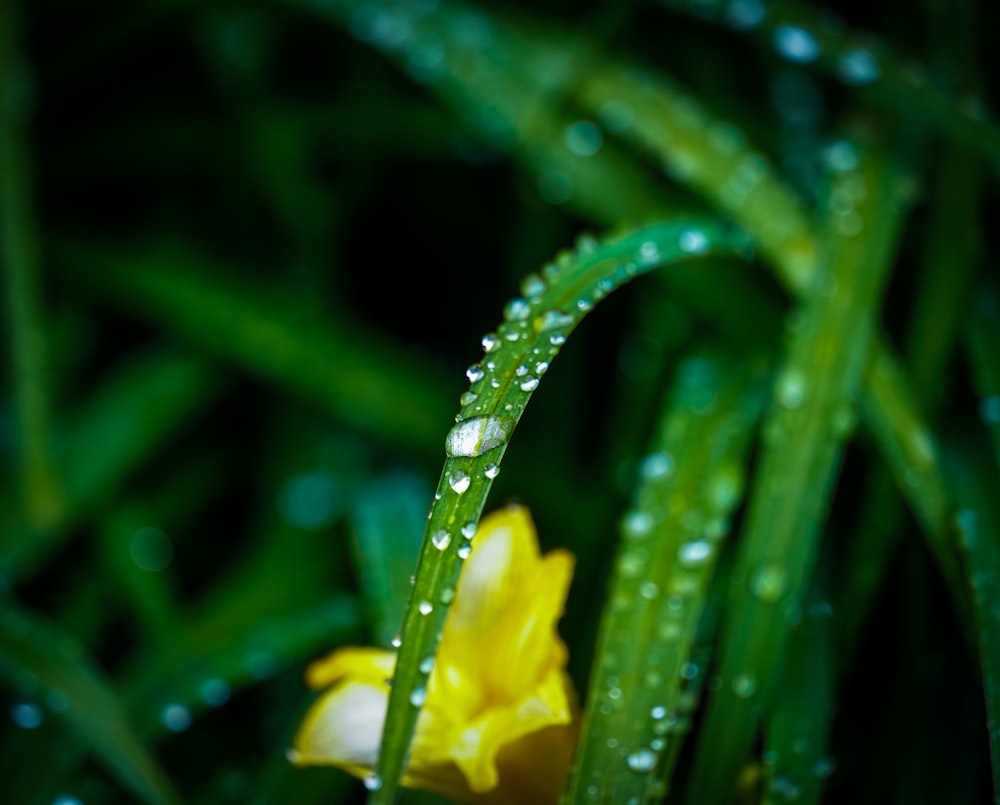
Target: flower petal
[
  {"x": 343, "y": 728},
  {"x": 372, "y": 665}
]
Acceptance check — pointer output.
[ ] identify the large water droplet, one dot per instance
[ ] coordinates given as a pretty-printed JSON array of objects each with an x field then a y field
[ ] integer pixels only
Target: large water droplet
[
  {"x": 532, "y": 286},
  {"x": 425, "y": 607},
  {"x": 441, "y": 539},
  {"x": 475, "y": 373},
  {"x": 552, "y": 320},
  {"x": 464, "y": 551},
  {"x": 427, "y": 664},
  {"x": 372, "y": 782},
  {"x": 491, "y": 471},
  {"x": 491, "y": 342},
  {"x": 459, "y": 481},
  {"x": 469, "y": 529},
  {"x": 529, "y": 384},
  {"x": 642, "y": 760}
]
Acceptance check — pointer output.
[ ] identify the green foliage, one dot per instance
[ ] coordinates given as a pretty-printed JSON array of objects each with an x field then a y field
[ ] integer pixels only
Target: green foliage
[{"x": 248, "y": 249}]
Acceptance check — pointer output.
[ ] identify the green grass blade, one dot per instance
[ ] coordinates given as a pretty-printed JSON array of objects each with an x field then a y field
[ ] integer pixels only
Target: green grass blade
[
  {"x": 20, "y": 264},
  {"x": 363, "y": 380},
  {"x": 814, "y": 396},
  {"x": 387, "y": 521},
  {"x": 517, "y": 356},
  {"x": 977, "y": 520},
  {"x": 868, "y": 66},
  {"x": 141, "y": 405},
  {"x": 982, "y": 339},
  {"x": 59, "y": 670},
  {"x": 691, "y": 482},
  {"x": 796, "y": 734}
]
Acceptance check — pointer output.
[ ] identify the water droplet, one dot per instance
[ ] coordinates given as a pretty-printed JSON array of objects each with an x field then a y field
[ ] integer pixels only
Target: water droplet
[
  {"x": 967, "y": 523},
  {"x": 448, "y": 594},
  {"x": 649, "y": 590},
  {"x": 637, "y": 524},
  {"x": 642, "y": 760},
  {"x": 26, "y": 715},
  {"x": 175, "y": 717},
  {"x": 552, "y": 320},
  {"x": 151, "y": 549},
  {"x": 372, "y": 782},
  {"x": 744, "y": 685},
  {"x": 214, "y": 692},
  {"x": 469, "y": 529},
  {"x": 557, "y": 340},
  {"x": 857, "y": 67},
  {"x": 532, "y": 286},
  {"x": 441, "y": 539},
  {"x": 475, "y": 373},
  {"x": 583, "y": 138},
  {"x": 427, "y": 664},
  {"x": 521, "y": 370},
  {"x": 491, "y": 471},
  {"x": 768, "y": 584},
  {"x": 459, "y": 481},
  {"x": 491, "y": 342},
  {"x": 468, "y": 398},
  {"x": 659, "y": 712},
  {"x": 396, "y": 641},
  {"x": 425, "y": 607},
  {"x": 541, "y": 367},
  {"x": 517, "y": 310},
  {"x": 790, "y": 389},
  {"x": 464, "y": 551},
  {"x": 689, "y": 671},
  {"x": 694, "y": 554},
  {"x": 583, "y": 305},
  {"x": 67, "y": 799},
  {"x": 796, "y": 44},
  {"x": 693, "y": 241},
  {"x": 529, "y": 384},
  {"x": 656, "y": 465},
  {"x": 785, "y": 788},
  {"x": 823, "y": 768}
]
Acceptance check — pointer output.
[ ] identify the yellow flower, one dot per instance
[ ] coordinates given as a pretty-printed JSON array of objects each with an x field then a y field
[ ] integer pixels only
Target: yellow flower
[{"x": 499, "y": 721}]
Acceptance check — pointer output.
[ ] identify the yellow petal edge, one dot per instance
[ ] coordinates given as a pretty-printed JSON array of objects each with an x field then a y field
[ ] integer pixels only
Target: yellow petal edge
[{"x": 499, "y": 721}]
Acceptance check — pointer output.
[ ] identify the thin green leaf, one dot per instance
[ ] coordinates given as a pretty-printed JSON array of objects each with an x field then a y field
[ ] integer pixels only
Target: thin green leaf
[
  {"x": 814, "y": 397},
  {"x": 690, "y": 483},
  {"x": 517, "y": 356},
  {"x": 19, "y": 261},
  {"x": 58, "y": 670},
  {"x": 359, "y": 377}
]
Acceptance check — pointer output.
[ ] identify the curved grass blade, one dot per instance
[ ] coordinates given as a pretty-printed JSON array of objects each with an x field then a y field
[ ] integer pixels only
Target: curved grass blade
[
  {"x": 814, "y": 396},
  {"x": 19, "y": 260},
  {"x": 864, "y": 63},
  {"x": 58, "y": 668},
  {"x": 361, "y": 380},
  {"x": 796, "y": 735},
  {"x": 691, "y": 482},
  {"x": 516, "y": 357},
  {"x": 977, "y": 520}
]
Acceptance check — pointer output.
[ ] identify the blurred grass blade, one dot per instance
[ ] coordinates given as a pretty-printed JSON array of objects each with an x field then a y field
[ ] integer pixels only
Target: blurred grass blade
[
  {"x": 210, "y": 662},
  {"x": 814, "y": 398},
  {"x": 690, "y": 483},
  {"x": 359, "y": 377},
  {"x": 116, "y": 430},
  {"x": 388, "y": 520},
  {"x": 20, "y": 264},
  {"x": 60, "y": 672},
  {"x": 799, "y": 34},
  {"x": 983, "y": 339},
  {"x": 977, "y": 520},
  {"x": 797, "y": 733},
  {"x": 517, "y": 356}
]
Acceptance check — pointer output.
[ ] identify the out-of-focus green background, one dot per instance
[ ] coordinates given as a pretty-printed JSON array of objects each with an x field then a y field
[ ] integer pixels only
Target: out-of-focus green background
[{"x": 249, "y": 249}]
